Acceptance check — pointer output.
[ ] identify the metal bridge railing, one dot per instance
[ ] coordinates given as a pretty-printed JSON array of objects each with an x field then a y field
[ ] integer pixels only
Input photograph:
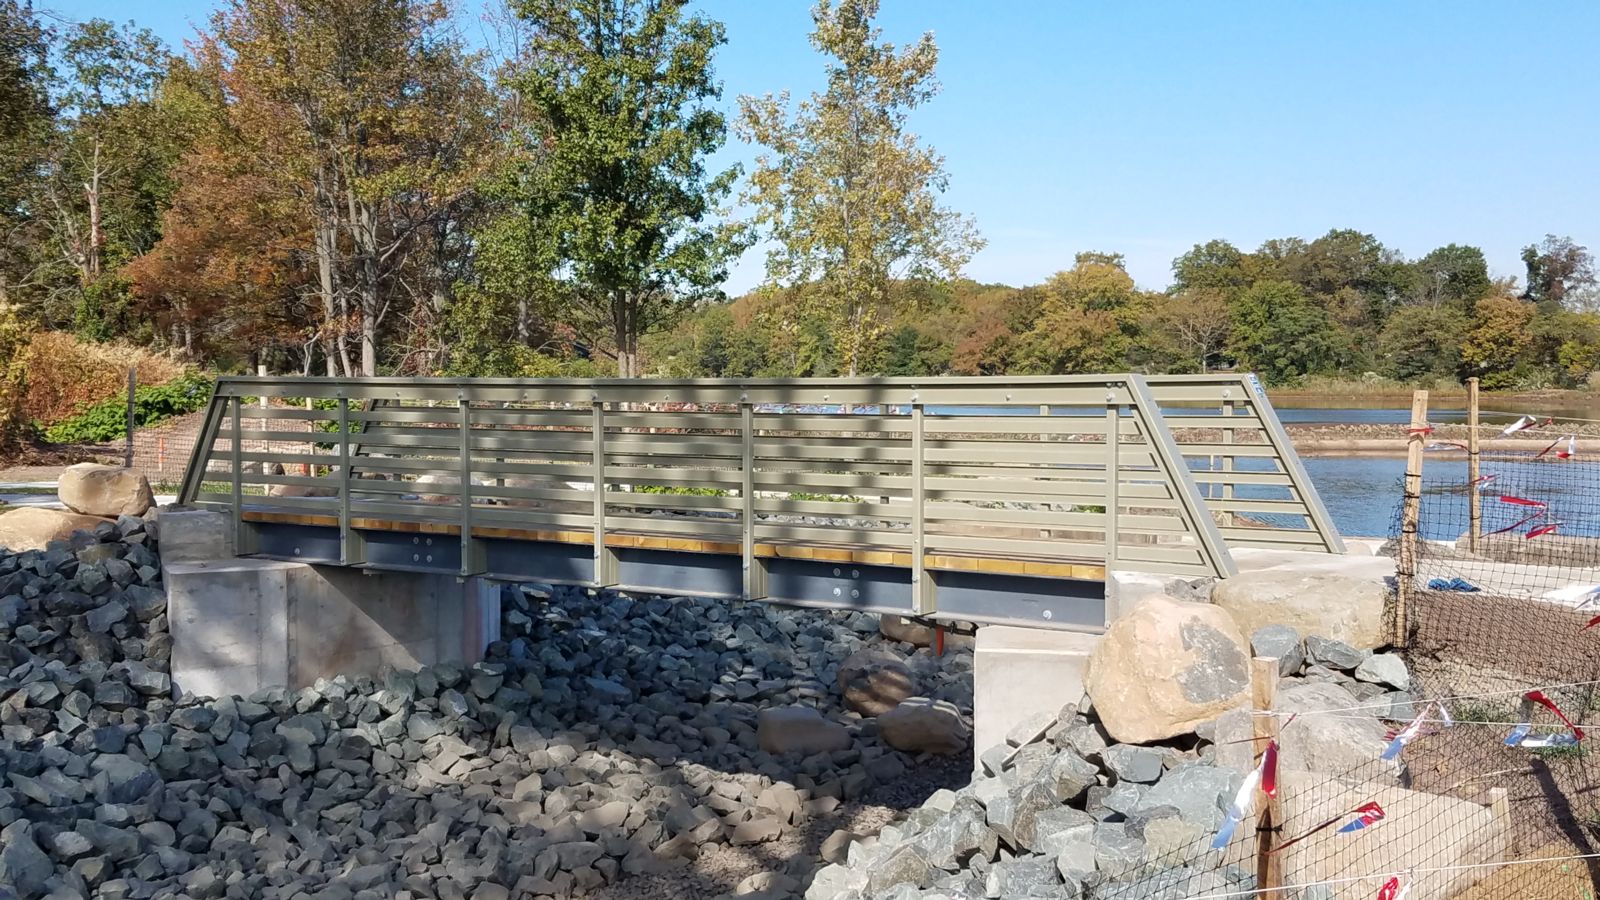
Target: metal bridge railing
[{"x": 1053, "y": 476}]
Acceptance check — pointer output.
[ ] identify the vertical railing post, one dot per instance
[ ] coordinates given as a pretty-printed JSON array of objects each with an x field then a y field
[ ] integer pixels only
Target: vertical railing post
[
  {"x": 465, "y": 487},
  {"x": 1410, "y": 513},
  {"x": 1227, "y": 461},
  {"x": 923, "y": 600},
  {"x": 1474, "y": 496},
  {"x": 755, "y": 581},
  {"x": 345, "y": 548},
  {"x": 1113, "y": 477},
  {"x": 605, "y": 567},
  {"x": 238, "y": 474}
]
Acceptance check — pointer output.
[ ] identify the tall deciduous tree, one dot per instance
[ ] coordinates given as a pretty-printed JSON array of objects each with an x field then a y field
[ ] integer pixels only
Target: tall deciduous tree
[
  {"x": 25, "y": 120},
  {"x": 847, "y": 193},
  {"x": 1494, "y": 347},
  {"x": 615, "y": 191},
  {"x": 1088, "y": 320},
  {"x": 1560, "y": 272},
  {"x": 1279, "y": 332},
  {"x": 365, "y": 118},
  {"x": 1453, "y": 275}
]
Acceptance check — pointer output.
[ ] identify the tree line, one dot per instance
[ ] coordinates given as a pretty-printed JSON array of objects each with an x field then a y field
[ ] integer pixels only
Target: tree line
[
  {"x": 1340, "y": 305},
  {"x": 350, "y": 187}
]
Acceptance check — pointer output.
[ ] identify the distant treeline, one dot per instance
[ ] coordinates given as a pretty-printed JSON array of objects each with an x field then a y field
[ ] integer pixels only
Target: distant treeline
[{"x": 1341, "y": 305}]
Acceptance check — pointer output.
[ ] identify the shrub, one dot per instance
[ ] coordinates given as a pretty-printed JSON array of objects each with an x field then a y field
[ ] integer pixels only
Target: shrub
[
  {"x": 108, "y": 419},
  {"x": 66, "y": 375},
  {"x": 15, "y": 428}
]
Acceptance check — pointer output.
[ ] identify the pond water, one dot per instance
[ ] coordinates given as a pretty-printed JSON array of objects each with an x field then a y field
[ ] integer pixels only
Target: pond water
[{"x": 1363, "y": 493}]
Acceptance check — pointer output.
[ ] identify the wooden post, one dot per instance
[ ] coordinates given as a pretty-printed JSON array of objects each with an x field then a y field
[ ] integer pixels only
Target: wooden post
[
  {"x": 127, "y": 449},
  {"x": 1474, "y": 496},
  {"x": 1406, "y": 571},
  {"x": 1263, "y": 696}
]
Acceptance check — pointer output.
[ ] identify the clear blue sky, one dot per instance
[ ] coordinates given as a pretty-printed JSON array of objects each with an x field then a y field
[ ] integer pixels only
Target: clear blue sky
[{"x": 1144, "y": 128}]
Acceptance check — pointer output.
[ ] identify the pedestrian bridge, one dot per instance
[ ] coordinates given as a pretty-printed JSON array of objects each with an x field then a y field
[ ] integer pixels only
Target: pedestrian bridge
[{"x": 990, "y": 500}]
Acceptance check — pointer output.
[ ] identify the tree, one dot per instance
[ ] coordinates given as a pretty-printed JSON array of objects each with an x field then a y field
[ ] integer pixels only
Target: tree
[
  {"x": 1453, "y": 275},
  {"x": 370, "y": 114},
  {"x": 846, "y": 192},
  {"x": 620, "y": 199},
  {"x": 1192, "y": 325},
  {"x": 1215, "y": 265},
  {"x": 1278, "y": 332},
  {"x": 1560, "y": 272},
  {"x": 1090, "y": 316},
  {"x": 26, "y": 117},
  {"x": 1498, "y": 341},
  {"x": 1423, "y": 341}
]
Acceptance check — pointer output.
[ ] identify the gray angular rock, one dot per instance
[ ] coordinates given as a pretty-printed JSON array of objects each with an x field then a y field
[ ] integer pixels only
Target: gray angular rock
[
  {"x": 1117, "y": 854},
  {"x": 1141, "y": 765},
  {"x": 1385, "y": 669},
  {"x": 905, "y": 864},
  {"x": 1070, "y": 775},
  {"x": 1280, "y": 642},
  {"x": 1200, "y": 793},
  {"x": 1333, "y": 744},
  {"x": 23, "y": 866},
  {"x": 1026, "y": 879},
  {"x": 959, "y": 835},
  {"x": 125, "y": 779},
  {"x": 1334, "y": 654}
]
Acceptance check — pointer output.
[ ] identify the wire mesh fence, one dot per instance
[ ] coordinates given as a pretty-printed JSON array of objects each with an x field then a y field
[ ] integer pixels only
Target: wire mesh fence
[{"x": 1487, "y": 786}]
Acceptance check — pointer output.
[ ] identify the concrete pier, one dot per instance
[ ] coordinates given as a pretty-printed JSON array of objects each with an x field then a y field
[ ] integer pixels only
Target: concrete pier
[{"x": 240, "y": 625}]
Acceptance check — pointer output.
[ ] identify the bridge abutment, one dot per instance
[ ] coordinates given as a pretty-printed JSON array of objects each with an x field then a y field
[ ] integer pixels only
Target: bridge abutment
[
  {"x": 1018, "y": 673},
  {"x": 240, "y": 625}
]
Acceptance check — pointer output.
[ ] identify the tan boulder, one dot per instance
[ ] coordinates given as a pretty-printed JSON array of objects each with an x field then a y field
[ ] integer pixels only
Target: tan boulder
[
  {"x": 96, "y": 490},
  {"x": 32, "y": 527},
  {"x": 873, "y": 682},
  {"x": 900, "y": 628},
  {"x": 799, "y": 729},
  {"x": 923, "y": 725},
  {"x": 1165, "y": 667},
  {"x": 1325, "y": 604}
]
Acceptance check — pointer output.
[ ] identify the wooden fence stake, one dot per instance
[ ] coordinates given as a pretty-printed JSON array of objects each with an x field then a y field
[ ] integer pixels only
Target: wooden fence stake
[
  {"x": 1263, "y": 695},
  {"x": 1474, "y": 496},
  {"x": 133, "y": 389},
  {"x": 1406, "y": 571}
]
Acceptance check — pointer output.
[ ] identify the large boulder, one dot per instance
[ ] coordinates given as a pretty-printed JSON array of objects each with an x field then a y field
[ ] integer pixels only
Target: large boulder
[
  {"x": 1165, "y": 667},
  {"x": 922, "y": 725},
  {"x": 874, "y": 682},
  {"x": 110, "y": 491},
  {"x": 32, "y": 527},
  {"x": 1329, "y": 605}
]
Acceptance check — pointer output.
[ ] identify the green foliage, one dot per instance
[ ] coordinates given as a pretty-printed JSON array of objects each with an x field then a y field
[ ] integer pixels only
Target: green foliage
[
  {"x": 1279, "y": 333},
  {"x": 108, "y": 419},
  {"x": 679, "y": 490},
  {"x": 623, "y": 126},
  {"x": 844, "y": 189},
  {"x": 1496, "y": 347},
  {"x": 1421, "y": 342}
]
